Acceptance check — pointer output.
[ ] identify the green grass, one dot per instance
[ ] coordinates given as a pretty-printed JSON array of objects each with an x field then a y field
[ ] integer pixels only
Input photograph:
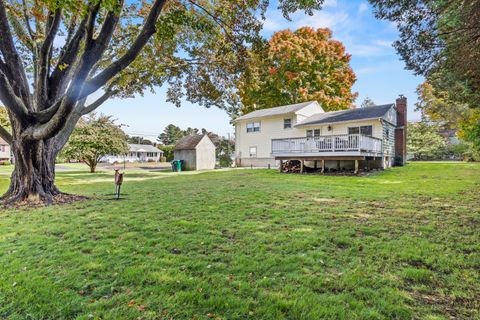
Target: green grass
[{"x": 249, "y": 244}]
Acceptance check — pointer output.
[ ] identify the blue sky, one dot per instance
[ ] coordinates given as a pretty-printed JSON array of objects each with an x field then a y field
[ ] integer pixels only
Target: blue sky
[{"x": 380, "y": 72}]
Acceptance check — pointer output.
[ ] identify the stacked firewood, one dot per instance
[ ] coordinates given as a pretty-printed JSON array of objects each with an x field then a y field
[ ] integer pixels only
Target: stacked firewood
[{"x": 291, "y": 166}]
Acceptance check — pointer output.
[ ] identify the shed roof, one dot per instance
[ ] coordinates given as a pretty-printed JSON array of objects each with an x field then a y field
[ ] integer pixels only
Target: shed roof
[
  {"x": 275, "y": 111},
  {"x": 188, "y": 142},
  {"x": 373, "y": 112},
  {"x": 143, "y": 148}
]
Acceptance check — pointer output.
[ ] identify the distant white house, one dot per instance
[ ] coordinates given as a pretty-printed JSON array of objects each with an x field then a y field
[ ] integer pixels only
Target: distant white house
[
  {"x": 305, "y": 132},
  {"x": 5, "y": 151},
  {"x": 136, "y": 153}
]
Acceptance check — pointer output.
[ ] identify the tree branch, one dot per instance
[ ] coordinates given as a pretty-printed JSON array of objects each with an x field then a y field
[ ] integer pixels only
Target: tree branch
[
  {"x": 97, "y": 103},
  {"x": 27, "y": 20},
  {"x": 5, "y": 135},
  {"x": 10, "y": 99},
  {"x": 58, "y": 80},
  {"x": 108, "y": 73},
  {"x": 12, "y": 59},
  {"x": 43, "y": 59}
]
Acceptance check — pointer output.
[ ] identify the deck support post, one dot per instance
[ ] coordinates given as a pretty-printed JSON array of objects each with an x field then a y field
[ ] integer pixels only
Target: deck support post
[
  {"x": 315, "y": 164},
  {"x": 356, "y": 166},
  {"x": 302, "y": 166},
  {"x": 323, "y": 166},
  {"x": 280, "y": 168}
]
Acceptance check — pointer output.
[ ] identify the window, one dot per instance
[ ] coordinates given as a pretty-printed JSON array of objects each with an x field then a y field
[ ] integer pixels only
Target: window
[
  {"x": 253, "y": 127},
  {"x": 287, "y": 123},
  {"x": 313, "y": 133},
  {"x": 353, "y": 130},
  {"x": 364, "y": 130},
  {"x": 3, "y": 148},
  {"x": 253, "y": 152}
]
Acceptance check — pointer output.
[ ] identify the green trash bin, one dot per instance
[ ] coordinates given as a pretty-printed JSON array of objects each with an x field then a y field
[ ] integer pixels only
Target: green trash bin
[{"x": 177, "y": 165}]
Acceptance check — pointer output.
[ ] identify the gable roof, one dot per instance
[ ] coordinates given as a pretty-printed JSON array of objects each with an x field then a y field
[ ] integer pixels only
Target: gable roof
[
  {"x": 189, "y": 142},
  {"x": 143, "y": 148},
  {"x": 373, "y": 112},
  {"x": 275, "y": 111}
]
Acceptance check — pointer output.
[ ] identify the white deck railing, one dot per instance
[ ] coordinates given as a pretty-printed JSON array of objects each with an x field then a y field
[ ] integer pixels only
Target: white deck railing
[{"x": 334, "y": 143}]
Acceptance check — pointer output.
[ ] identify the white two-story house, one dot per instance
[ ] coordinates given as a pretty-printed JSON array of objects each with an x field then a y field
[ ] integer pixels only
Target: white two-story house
[{"x": 348, "y": 138}]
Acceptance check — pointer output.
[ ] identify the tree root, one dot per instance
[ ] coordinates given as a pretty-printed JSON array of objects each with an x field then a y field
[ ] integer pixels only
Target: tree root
[{"x": 19, "y": 200}]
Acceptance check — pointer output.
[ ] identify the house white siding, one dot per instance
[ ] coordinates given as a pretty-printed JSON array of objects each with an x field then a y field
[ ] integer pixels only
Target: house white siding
[
  {"x": 5, "y": 152},
  {"x": 270, "y": 127}
]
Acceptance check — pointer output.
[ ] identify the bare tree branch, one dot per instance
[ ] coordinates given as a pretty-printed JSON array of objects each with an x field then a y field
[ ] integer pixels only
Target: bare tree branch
[
  {"x": 97, "y": 103},
  {"x": 10, "y": 54},
  {"x": 5, "y": 135},
  {"x": 59, "y": 78},
  {"x": 10, "y": 99},
  {"x": 108, "y": 73},
  {"x": 43, "y": 59},
  {"x": 27, "y": 20}
]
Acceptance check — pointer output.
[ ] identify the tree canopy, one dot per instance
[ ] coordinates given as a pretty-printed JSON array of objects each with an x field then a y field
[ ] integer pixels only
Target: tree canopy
[
  {"x": 93, "y": 138},
  {"x": 171, "y": 135},
  {"x": 298, "y": 66},
  {"x": 439, "y": 108},
  {"x": 139, "y": 140},
  {"x": 367, "y": 102},
  {"x": 424, "y": 142},
  {"x": 439, "y": 39}
]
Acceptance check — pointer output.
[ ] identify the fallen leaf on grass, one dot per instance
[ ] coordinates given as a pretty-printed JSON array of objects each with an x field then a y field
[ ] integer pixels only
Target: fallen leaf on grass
[{"x": 131, "y": 303}]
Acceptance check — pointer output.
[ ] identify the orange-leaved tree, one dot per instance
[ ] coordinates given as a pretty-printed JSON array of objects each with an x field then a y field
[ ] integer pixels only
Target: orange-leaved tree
[{"x": 298, "y": 66}]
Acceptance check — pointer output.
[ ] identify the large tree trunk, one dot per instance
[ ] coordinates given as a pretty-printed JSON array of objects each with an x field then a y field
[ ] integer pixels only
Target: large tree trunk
[{"x": 33, "y": 178}]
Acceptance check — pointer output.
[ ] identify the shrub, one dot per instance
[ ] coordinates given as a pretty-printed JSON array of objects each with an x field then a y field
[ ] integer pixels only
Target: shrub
[
  {"x": 5, "y": 163},
  {"x": 225, "y": 160},
  {"x": 167, "y": 152}
]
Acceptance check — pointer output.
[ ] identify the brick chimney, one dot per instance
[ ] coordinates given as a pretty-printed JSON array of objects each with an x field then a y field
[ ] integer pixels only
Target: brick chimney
[{"x": 401, "y": 131}]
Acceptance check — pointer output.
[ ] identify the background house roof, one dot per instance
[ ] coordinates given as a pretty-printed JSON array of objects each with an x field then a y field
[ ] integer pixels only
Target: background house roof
[
  {"x": 347, "y": 115},
  {"x": 188, "y": 142},
  {"x": 275, "y": 111},
  {"x": 143, "y": 148}
]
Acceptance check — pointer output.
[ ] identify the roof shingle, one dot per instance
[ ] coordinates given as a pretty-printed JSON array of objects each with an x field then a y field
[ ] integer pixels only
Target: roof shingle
[
  {"x": 188, "y": 142},
  {"x": 347, "y": 115},
  {"x": 142, "y": 148}
]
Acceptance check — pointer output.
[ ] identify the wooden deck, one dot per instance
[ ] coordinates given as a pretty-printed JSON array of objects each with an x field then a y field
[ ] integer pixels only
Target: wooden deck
[{"x": 338, "y": 147}]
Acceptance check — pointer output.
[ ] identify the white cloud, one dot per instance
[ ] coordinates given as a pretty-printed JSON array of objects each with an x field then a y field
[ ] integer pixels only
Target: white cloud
[
  {"x": 367, "y": 70},
  {"x": 362, "y": 8},
  {"x": 323, "y": 19},
  {"x": 320, "y": 19},
  {"x": 330, "y": 3},
  {"x": 383, "y": 43}
]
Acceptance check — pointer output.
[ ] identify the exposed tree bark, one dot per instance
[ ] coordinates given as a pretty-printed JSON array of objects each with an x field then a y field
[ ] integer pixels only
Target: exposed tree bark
[{"x": 33, "y": 177}]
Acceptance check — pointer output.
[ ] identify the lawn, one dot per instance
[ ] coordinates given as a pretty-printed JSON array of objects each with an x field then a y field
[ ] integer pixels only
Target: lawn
[{"x": 249, "y": 244}]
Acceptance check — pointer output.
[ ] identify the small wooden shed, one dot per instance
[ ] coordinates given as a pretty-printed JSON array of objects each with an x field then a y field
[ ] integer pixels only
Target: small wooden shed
[{"x": 197, "y": 152}]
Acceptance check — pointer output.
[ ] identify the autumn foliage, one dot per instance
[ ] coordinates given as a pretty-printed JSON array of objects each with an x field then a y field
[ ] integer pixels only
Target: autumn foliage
[{"x": 298, "y": 66}]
